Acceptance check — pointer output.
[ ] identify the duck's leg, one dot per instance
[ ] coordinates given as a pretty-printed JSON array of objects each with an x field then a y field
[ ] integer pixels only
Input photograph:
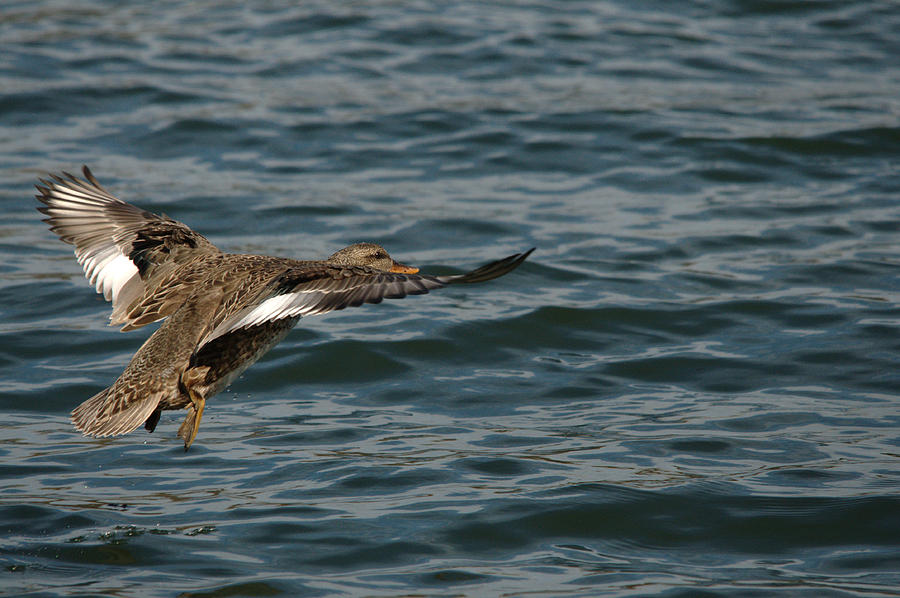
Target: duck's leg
[{"x": 191, "y": 424}]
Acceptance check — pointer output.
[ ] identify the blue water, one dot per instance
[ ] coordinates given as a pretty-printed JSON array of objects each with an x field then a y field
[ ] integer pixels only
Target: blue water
[{"x": 690, "y": 389}]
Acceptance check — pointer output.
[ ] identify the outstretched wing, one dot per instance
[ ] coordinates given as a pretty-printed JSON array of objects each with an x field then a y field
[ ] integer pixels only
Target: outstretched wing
[
  {"x": 120, "y": 246},
  {"x": 305, "y": 292}
]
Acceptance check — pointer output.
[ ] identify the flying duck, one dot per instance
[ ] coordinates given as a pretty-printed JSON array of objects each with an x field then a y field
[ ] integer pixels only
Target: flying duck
[{"x": 222, "y": 311}]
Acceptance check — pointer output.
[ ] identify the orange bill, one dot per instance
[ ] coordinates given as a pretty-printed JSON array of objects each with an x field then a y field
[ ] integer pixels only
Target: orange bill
[{"x": 402, "y": 268}]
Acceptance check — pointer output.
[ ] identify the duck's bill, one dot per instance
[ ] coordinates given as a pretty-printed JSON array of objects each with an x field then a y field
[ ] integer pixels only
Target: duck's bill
[{"x": 403, "y": 268}]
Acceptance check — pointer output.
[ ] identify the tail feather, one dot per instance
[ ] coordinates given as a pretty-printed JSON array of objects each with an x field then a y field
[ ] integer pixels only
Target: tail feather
[
  {"x": 95, "y": 418},
  {"x": 85, "y": 414}
]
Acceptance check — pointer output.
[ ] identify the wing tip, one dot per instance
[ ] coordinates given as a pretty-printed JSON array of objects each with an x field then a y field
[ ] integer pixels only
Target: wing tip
[
  {"x": 49, "y": 185},
  {"x": 90, "y": 176},
  {"x": 491, "y": 270}
]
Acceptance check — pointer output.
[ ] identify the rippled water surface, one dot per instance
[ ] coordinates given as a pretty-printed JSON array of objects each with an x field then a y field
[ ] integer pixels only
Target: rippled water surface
[{"x": 691, "y": 388}]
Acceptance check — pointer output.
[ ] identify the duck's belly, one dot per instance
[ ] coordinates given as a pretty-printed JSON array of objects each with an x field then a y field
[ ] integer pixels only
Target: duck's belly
[{"x": 228, "y": 356}]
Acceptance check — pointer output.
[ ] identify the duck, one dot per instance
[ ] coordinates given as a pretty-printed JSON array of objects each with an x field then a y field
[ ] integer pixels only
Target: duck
[{"x": 220, "y": 311}]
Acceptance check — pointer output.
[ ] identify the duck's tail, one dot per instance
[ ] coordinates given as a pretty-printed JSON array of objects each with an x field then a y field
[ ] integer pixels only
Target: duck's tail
[
  {"x": 105, "y": 414},
  {"x": 85, "y": 414}
]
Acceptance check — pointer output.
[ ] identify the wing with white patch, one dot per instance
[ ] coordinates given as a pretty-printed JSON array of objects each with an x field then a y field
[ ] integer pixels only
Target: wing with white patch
[
  {"x": 117, "y": 244},
  {"x": 302, "y": 292}
]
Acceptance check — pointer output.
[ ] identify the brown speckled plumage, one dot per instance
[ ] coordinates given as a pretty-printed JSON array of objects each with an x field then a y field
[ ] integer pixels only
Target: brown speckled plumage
[{"x": 222, "y": 311}]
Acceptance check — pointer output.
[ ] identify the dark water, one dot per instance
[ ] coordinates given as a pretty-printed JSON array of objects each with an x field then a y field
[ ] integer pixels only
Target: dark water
[{"x": 690, "y": 389}]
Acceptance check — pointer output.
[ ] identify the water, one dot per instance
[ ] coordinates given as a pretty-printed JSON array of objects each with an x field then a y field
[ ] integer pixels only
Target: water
[{"x": 689, "y": 389}]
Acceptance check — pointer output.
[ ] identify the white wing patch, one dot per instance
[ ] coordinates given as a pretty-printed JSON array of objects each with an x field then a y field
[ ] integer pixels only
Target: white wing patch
[
  {"x": 79, "y": 215},
  {"x": 274, "y": 308},
  {"x": 108, "y": 270},
  {"x": 328, "y": 295},
  {"x": 280, "y": 306}
]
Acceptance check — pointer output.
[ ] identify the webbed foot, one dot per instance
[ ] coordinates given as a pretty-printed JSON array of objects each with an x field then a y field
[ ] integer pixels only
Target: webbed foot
[{"x": 191, "y": 424}]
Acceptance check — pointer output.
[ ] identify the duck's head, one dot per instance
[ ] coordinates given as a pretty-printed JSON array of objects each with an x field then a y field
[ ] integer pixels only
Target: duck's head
[{"x": 371, "y": 255}]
